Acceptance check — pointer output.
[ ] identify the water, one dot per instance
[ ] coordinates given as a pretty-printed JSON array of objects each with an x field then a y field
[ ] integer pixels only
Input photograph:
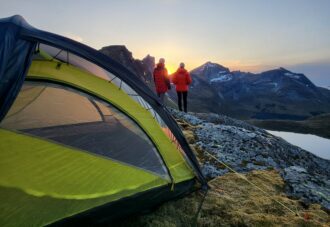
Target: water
[{"x": 314, "y": 144}]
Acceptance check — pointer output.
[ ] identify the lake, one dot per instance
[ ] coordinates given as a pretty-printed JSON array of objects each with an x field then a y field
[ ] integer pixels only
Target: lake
[{"x": 314, "y": 144}]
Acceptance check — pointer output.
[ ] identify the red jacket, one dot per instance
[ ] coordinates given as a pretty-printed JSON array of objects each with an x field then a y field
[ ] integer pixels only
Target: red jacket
[
  {"x": 161, "y": 78},
  {"x": 181, "y": 79}
]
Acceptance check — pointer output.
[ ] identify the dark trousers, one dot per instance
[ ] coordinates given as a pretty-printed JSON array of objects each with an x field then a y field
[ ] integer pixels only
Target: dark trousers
[{"x": 182, "y": 95}]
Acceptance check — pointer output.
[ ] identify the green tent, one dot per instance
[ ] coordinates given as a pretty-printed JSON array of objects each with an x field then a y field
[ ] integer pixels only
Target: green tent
[{"x": 82, "y": 139}]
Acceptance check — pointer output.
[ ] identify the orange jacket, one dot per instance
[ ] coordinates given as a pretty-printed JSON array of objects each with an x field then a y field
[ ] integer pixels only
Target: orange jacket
[
  {"x": 161, "y": 78},
  {"x": 181, "y": 79}
]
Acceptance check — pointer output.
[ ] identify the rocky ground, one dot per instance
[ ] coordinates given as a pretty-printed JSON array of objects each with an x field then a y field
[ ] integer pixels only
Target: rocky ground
[
  {"x": 278, "y": 174},
  {"x": 245, "y": 148}
]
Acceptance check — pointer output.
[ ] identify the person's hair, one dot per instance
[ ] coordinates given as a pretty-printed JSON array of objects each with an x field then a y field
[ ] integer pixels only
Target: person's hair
[
  {"x": 161, "y": 60},
  {"x": 182, "y": 65}
]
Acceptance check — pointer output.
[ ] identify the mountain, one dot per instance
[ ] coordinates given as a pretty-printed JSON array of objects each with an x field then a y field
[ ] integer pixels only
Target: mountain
[
  {"x": 274, "y": 94},
  {"x": 278, "y": 93},
  {"x": 203, "y": 96},
  {"x": 142, "y": 68}
]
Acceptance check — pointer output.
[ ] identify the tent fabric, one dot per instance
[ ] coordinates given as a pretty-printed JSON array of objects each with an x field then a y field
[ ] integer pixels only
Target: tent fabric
[
  {"x": 139, "y": 203},
  {"x": 62, "y": 163},
  {"x": 117, "y": 69},
  {"x": 46, "y": 70},
  {"x": 81, "y": 121},
  {"x": 15, "y": 59},
  {"x": 32, "y": 179}
]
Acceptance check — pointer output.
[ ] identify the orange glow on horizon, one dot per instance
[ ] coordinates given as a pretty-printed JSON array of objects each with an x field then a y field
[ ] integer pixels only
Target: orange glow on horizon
[
  {"x": 170, "y": 69},
  {"x": 172, "y": 64}
]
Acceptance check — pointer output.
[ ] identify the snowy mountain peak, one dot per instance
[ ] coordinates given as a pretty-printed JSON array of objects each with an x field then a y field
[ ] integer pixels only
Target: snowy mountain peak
[
  {"x": 290, "y": 74},
  {"x": 283, "y": 69},
  {"x": 213, "y": 72},
  {"x": 282, "y": 73},
  {"x": 214, "y": 65},
  {"x": 210, "y": 66},
  {"x": 221, "y": 78}
]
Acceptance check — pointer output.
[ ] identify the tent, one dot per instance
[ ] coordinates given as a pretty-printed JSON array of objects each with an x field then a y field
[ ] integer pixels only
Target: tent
[{"x": 82, "y": 139}]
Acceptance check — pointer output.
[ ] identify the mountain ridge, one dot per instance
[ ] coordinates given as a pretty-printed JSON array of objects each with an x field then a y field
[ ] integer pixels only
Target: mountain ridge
[
  {"x": 273, "y": 94},
  {"x": 276, "y": 93},
  {"x": 142, "y": 68}
]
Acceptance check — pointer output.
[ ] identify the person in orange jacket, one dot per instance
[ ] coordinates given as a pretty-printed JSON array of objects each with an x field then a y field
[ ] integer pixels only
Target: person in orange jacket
[
  {"x": 182, "y": 79},
  {"x": 162, "y": 82}
]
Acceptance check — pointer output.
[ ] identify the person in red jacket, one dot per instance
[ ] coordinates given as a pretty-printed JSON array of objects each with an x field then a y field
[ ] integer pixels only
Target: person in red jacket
[
  {"x": 182, "y": 79},
  {"x": 162, "y": 82}
]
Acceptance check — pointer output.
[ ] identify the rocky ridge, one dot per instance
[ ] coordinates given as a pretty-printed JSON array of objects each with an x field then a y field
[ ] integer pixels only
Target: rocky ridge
[
  {"x": 246, "y": 148},
  {"x": 143, "y": 69}
]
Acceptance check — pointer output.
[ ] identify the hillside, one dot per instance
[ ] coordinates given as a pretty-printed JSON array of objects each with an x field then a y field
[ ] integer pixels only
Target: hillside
[{"x": 279, "y": 184}]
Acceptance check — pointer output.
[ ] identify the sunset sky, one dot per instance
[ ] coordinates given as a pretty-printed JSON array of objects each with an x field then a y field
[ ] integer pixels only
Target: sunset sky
[{"x": 247, "y": 35}]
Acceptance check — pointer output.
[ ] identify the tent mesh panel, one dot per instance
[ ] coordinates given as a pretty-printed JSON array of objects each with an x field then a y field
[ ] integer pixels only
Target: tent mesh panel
[{"x": 72, "y": 118}]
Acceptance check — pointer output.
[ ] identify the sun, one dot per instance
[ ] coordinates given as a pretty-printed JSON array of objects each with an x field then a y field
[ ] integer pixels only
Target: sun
[{"x": 170, "y": 69}]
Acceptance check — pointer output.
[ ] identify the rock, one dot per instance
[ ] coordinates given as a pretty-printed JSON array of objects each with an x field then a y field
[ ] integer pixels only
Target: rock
[
  {"x": 309, "y": 188},
  {"x": 211, "y": 171},
  {"x": 246, "y": 148},
  {"x": 191, "y": 119}
]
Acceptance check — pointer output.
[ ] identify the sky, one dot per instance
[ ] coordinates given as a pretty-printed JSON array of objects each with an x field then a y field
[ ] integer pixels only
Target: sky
[{"x": 246, "y": 35}]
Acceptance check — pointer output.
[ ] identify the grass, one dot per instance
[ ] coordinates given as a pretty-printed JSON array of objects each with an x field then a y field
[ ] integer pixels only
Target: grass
[{"x": 231, "y": 201}]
